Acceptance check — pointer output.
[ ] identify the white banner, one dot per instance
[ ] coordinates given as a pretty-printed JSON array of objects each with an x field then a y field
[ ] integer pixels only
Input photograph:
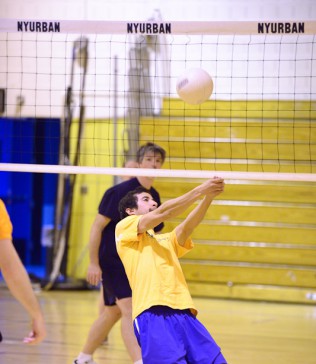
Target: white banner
[{"x": 155, "y": 28}]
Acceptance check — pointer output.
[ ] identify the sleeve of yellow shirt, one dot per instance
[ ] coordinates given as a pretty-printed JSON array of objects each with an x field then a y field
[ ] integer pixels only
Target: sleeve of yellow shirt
[
  {"x": 181, "y": 250},
  {"x": 5, "y": 223},
  {"x": 126, "y": 232}
]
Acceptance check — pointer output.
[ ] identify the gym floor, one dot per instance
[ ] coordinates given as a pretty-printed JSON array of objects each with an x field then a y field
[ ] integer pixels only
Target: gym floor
[{"x": 248, "y": 332}]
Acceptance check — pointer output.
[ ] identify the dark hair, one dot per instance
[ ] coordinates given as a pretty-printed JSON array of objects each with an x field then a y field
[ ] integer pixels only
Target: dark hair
[
  {"x": 129, "y": 201},
  {"x": 150, "y": 147}
]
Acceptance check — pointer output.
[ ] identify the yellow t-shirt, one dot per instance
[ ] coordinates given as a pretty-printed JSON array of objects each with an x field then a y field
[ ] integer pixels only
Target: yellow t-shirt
[
  {"x": 152, "y": 267},
  {"x": 5, "y": 223}
]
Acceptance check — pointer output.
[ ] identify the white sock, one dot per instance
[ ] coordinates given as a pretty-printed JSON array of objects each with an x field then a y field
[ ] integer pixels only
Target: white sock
[
  {"x": 84, "y": 357},
  {"x": 138, "y": 361}
]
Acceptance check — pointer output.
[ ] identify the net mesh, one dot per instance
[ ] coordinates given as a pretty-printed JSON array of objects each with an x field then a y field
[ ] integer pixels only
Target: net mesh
[
  {"x": 113, "y": 92},
  {"x": 79, "y": 98}
]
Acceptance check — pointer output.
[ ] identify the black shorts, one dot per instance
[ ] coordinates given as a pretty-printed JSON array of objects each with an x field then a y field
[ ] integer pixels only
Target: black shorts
[{"x": 115, "y": 284}]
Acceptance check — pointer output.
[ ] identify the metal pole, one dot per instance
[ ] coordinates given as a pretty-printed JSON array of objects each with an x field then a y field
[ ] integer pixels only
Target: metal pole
[{"x": 115, "y": 94}]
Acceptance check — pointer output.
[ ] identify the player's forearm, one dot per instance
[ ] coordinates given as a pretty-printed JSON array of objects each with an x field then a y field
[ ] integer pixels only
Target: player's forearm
[
  {"x": 99, "y": 224},
  {"x": 22, "y": 290},
  {"x": 198, "y": 214},
  {"x": 94, "y": 246},
  {"x": 186, "y": 228},
  {"x": 176, "y": 206},
  {"x": 168, "y": 210},
  {"x": 20, "y": 286}
]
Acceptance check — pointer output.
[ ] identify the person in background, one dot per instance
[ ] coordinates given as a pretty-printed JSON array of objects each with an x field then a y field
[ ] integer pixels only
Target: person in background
[
  {"x": 105, "y": 265},
  {"x": 18, "y": 281},
  {"x": 164, "y": 314},
  {"x": 130, "y": 163}
]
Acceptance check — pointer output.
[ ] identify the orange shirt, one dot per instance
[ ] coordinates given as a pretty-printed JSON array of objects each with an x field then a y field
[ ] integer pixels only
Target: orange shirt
[{"x": 5, "y": 223}]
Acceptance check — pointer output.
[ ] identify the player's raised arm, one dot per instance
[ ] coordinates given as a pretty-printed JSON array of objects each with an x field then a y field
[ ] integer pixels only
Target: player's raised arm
[
  {"x": 176, "y": 206},
  {"x": 186, "y": 228}
]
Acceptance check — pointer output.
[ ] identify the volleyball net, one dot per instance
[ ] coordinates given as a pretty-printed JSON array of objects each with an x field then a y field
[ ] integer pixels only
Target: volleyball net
[
  {"x": 80, "y": 97},
  {"x": 120, "y": 78}
]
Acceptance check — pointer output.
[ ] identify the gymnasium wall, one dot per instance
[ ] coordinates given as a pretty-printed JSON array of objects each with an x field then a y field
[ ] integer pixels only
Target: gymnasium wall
[
  {"x": 53, "y": 65},
  {"x": 170, "y": 9},
  {"x": 89, "y": 190}
]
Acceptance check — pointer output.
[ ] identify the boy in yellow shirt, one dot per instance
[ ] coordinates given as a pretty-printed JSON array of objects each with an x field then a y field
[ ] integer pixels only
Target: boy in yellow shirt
[{"x": 164, "y": 314}]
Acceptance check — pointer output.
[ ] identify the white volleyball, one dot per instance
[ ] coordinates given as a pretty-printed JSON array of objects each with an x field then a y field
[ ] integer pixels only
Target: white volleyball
[{"x": 195, "y": 86}]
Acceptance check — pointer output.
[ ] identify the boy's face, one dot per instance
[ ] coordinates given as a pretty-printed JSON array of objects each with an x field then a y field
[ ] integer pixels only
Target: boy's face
[
  {"x": 151, "y": 160},
  {"x": 145, "y": 204}
]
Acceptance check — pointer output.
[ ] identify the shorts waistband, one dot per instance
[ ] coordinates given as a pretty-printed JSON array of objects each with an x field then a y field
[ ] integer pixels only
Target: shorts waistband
[{"x": 166, "y": 310}]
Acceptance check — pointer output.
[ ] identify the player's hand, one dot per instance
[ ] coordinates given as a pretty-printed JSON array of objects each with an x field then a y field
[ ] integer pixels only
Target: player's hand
[
  {"x": 213, "y": 186},
  {"x": 94, "y": 274},
  {"x": 38, "y": 332},
  {"x": 218, "y": 187}
]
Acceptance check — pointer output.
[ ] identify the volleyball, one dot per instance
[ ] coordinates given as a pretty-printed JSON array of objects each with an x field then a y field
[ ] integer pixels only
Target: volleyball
[{"x": 195, "y": 86}]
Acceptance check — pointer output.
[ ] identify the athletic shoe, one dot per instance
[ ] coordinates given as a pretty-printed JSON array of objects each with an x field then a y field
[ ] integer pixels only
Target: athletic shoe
[{"x": 77, "y": 361}]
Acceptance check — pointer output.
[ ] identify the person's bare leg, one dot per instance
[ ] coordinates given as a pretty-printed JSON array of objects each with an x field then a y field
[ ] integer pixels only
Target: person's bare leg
[
  {"x": 101, "y": 301},
  {"x": 100, "y": 328},
  {"x": 102, "y": 307},
  {"x": 127, "y": 329}
]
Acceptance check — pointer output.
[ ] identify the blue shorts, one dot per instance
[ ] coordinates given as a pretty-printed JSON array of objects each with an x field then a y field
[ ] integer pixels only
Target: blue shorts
[{"x": 169, "y": 336}]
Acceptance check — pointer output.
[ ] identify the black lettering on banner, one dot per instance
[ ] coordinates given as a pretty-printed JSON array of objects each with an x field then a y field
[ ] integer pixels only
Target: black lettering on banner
[
  {"x": 149, "y": 28},
  {"x": 281, "y": 28},
  {"x": 38, "y": 26}
]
